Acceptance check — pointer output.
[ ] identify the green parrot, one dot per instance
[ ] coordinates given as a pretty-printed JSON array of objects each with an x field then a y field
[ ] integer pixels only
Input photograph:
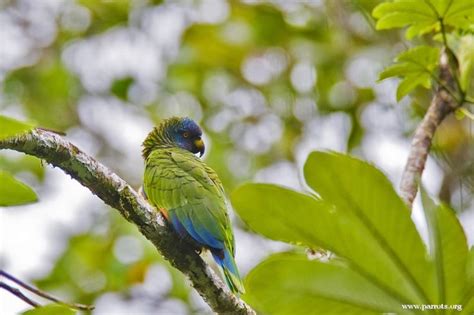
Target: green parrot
[{"x": 189, "y": 193}]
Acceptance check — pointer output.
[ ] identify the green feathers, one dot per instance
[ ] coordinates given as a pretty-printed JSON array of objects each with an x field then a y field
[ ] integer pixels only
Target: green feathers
[
  {"x": 189, "y": 193},
  {"x": 159, "y": 137}
]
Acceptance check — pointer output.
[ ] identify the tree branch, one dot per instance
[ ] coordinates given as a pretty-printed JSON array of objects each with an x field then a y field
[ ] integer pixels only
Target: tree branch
[
  {"x": 16, "y": 292},
  {"x": 442, "y": 104},
  {"x": 115, "y": 192},
  {"x": 44, "y": 294}
]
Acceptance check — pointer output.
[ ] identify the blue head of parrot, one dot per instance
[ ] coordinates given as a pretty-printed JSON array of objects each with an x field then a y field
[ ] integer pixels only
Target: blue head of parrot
[
  {"x": 186, "y": 134},
  {"x": 181, "y": 132}
]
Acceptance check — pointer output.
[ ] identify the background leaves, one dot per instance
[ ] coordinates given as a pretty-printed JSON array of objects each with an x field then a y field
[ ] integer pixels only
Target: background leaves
[
  {"x": 10, "y": 127},
  {"x": 423, "y": 16},
  {"x": 51, "y": 309},
  {"x": 417, "y": 66},
  {"x": 301, "y": 286},
  {"x": 13, "y": 192},
  {"x": 361, "y": 219}
]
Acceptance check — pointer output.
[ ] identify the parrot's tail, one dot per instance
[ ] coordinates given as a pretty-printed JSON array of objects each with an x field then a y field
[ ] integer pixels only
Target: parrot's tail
[{"x": 231, "y": 274}]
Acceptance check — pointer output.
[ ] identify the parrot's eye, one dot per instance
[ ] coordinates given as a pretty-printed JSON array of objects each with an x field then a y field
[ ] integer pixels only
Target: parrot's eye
[{"x": 185, "y": 134}]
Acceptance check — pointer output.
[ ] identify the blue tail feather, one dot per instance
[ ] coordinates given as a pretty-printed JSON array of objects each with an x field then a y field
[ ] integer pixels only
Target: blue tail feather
[
  {"x": 221, "y": 255},
  {"x": 231, "y": 274}
]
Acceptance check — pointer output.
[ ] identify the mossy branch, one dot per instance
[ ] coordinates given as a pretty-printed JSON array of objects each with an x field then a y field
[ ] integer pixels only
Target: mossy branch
[{"x": 116, "y": 193}]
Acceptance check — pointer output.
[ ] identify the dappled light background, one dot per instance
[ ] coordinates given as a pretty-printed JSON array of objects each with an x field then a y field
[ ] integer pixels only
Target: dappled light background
[{"x": 269, "y": 82}]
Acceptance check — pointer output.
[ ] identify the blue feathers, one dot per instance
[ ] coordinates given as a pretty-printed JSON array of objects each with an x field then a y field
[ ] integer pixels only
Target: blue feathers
[
  {"x": 220, "y": 253},
  {"x": 202, "y": 236},
  {"x": 231, "y": 274},
  {"x": 224, "y": 259}
]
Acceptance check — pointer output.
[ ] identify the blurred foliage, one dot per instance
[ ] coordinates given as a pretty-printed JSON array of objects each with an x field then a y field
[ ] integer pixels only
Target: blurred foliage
[
  {"x": 10, "y": 127},
  {"x": 44, "y": 89},
  {"x": 120, "y": 87},
  {"x": 348, "y": 221},
  {"x": 90, "y": 266},
  {"x": 51, "y": 309},
  {"x": 106, "y": 14},
  {"x": 14, "y": 192},
  {"x": 264, "y": 81}
]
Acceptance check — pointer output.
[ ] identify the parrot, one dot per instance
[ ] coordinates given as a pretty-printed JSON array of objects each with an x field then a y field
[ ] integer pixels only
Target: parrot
[{"x": 188, "y": 193}]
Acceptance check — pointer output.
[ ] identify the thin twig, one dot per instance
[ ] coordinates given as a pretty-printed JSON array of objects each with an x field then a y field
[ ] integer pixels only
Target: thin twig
[
  {"x": 18, "y": 294},
  {"x": 44, "y": 294}
]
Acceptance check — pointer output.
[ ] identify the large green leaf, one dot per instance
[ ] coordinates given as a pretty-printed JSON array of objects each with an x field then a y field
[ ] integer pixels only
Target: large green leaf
[
  {"x": 416, "y": 66},
  {"x": 417, "y": 14},
  {"x": 10, "y": 127},
  {"x": 459, "y": 13},
  {"x": 470, "y": 267},
  {"x": 385, "y": 249},
  {"x": 423, "y": 16},
  {"x": 14, "y": 192},
  {"x": 289, "y": 216},
  {"x": 449, "y": 250},
  {"x": 468, "y": 300},
  {"x": 50, "y": 309},
  {"x": 379, "y": 237},
  {"x": 466, "y": 62},
  {"x": 283, "y": 214},
  {"x": 292, "y": 284}
]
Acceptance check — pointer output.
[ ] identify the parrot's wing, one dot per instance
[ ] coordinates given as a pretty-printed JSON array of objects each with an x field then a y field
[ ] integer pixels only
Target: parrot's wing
[
  {"x": 217, "y": 182},
  {"x": 179, "y": 182}
]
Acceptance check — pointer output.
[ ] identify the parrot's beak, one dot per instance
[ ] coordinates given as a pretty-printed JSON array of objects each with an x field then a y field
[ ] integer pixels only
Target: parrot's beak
[{"x": 199, "y": 146}]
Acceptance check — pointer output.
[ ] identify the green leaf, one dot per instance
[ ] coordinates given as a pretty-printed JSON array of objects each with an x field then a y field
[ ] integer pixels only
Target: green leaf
[
  {"x": 25, "y": 163},
  {"x": 265, "y": 209},
  {"x": 423, "y": 16},
  {"x": 10, "y": 127},
  {"x": 417, "y": 14},
  {"x": 460, "y": 14},
  {"x": 50, "y": 309},
  {"x": 409, "y": 83},
  {"x": 377, "y": 222},
  {"x": 360, "y": 213},
  {"x": 470, "y": 267},
  {"x": 416, "y": 66},
  {"x": 292, "y": 284},
  {"x": 449, "y": 250},
  {"x": 468, "y": 301},
  {"x": 466, "y": 61},
  {"x": 14, "y": 192}
]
